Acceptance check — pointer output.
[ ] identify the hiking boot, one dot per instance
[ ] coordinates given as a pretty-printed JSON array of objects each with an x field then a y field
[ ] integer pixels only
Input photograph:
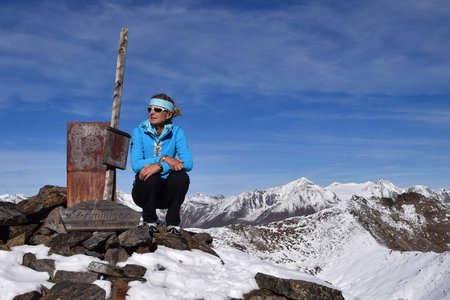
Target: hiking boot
[
  {"x": 152, "y": 227},
  {"x": 173, "y": 229}
]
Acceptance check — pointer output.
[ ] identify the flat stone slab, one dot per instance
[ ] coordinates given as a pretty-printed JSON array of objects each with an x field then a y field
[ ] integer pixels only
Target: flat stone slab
[{"x": 99, "y": 216}]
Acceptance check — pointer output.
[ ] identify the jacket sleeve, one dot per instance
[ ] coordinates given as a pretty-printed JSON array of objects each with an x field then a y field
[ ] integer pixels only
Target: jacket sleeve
[
  {"x": 183, "y": 150},
  {"x": 137, "y": 153}
]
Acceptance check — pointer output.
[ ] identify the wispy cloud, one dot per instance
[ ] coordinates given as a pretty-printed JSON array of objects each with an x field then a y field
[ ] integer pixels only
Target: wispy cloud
[{"x": 273, "y": 52}]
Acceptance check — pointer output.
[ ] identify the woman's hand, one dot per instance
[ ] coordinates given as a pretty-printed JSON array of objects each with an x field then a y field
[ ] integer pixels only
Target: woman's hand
[
  {"x": 148, "y": 171},
  {"x": 175, "y": 164}
]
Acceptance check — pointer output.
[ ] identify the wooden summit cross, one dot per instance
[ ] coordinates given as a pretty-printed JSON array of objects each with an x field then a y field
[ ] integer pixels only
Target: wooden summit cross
[{"x": 94, "y": 151}]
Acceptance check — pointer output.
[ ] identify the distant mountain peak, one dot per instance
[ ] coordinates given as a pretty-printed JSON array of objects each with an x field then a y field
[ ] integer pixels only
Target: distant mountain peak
[
  {"x": 298, "y": 197},
  {"x": 303, "y": 181},
  {"x": 13, "y": 198}
]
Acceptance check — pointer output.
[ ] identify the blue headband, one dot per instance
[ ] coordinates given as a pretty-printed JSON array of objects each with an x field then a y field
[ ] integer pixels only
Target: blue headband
[{"x": 161, "y": 103}]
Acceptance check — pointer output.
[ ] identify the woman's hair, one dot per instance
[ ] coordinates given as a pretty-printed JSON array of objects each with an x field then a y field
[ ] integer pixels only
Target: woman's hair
[{"x": 176, "y": 110}]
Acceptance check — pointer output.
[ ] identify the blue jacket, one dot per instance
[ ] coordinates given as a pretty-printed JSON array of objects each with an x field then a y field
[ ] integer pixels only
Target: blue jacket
[{"x": 148, "y": 148}]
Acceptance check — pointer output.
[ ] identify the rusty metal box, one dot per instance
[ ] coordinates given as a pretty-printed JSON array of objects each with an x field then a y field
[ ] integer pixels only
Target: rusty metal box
[{"x": 85, "y": 169}]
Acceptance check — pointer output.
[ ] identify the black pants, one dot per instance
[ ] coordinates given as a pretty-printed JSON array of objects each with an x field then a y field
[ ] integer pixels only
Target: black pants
[{"x": 156, "y": 192}]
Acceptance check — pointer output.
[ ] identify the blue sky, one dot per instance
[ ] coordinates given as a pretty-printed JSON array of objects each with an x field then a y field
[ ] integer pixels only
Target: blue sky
[{"x": 271, "y": 91}]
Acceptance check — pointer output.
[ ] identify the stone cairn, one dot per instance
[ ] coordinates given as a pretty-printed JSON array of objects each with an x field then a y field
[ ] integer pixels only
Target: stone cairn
[{"x": 37, "y": 220}]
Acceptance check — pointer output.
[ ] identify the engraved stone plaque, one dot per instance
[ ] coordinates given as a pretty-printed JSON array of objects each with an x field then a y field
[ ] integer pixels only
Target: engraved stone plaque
[{"x": 99, "y": 216}]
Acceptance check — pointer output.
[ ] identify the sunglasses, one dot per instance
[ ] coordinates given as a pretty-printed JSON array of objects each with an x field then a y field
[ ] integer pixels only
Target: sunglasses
[{"x": 156, "y": 109}]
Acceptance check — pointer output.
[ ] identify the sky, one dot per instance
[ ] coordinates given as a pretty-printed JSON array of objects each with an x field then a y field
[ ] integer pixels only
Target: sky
[{"x": 271, "y": 91}]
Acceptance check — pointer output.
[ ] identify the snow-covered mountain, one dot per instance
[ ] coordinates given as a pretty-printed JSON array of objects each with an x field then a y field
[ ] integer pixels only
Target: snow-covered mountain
[
  {"x": 297, "y": 198},
  {"x": 384, "y": 188},
  {"x": 369, "y": 189},
  {"x": 371, "y": 248},
  {"x": 300, "y": 197},
  {"x": 374, "y": 240},
  {"x": 14, "y": 198},
  {"x": 441, "y": 194}
]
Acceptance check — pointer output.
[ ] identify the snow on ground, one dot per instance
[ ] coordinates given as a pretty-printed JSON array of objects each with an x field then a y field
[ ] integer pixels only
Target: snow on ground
[
  {"x": 346, "y": 255},
  {"x": 370, "y": 271},
  {"x": 171, "y": 274}
]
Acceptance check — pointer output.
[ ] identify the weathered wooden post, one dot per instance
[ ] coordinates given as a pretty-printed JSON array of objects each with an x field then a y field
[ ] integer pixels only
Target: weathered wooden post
[
  {"x": 94, "y": 151},
  {"x": 117, "y": 101}
]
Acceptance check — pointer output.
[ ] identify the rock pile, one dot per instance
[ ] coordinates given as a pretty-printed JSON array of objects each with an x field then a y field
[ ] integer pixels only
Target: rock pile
[{"x": 37, "y": 220}]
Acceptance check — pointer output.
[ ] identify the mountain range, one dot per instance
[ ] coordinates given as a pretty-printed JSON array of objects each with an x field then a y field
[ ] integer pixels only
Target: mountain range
[
  {"x": 373, "y": 240},
  {"x": 297, "y": 198}
]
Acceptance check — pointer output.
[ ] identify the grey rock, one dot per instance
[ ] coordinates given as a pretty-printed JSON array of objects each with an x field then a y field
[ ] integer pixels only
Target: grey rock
[
  {"x": 10, "y": 215},
  {"x": 297, "y": 289},
  {"x": 18, "y": 230},
  {"x": 112, "y": 242},
  {"x": 77, "y": 250},
  {"x": 135, "y": 237},
  {"x": 133, "y": 271},
  {"x": 98, "y": 241},
  {"x": 70, "y": 239},
  {"x": 263, "y": 294},
  {"x": 171, "y": 241},
  {"x": 27, "y": 259},
  {"x": 115, "y": 255},
  {"x": 203, "y": 237},
  {"x": 33, "y": 295},
  {"x": 19, "y": 240},
  {"x": 46, "y": 200},
  {"x": 54, "y": 222},
  {"x": 86, "y": 277},
  {"x": 61, "y": 250},
  {"x": 183, "y": 241},
  {"x": 93, "y": 253},
  {"x": 104, "y": 269},
  {"x": 75, "y": 291},
  {"x": 40, "y": 239},
  {"x": 44, "y": 265},
  {"x": 41, "y": 265}
]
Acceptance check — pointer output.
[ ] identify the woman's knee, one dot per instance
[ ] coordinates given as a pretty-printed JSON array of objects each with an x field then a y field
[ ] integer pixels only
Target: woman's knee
[{"x": 179, "y": 178}]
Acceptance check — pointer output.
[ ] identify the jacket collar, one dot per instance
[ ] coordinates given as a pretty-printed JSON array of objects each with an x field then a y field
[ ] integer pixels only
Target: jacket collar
[{"x": 148, "y": 127}]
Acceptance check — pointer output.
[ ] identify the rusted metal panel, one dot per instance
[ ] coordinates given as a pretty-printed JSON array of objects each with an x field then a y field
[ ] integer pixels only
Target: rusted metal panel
[
  {"x": 99, "y": 216},
  {"x": 116, "y": 148},
  {"x": 85, "y": 168},
  {"x": 85, "y": 143},
  {"x": 85, "y": 186}
]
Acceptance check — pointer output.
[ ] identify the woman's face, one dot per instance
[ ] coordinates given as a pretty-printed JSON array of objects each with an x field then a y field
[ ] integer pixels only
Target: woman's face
[{"x": 158, "y": 116}]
